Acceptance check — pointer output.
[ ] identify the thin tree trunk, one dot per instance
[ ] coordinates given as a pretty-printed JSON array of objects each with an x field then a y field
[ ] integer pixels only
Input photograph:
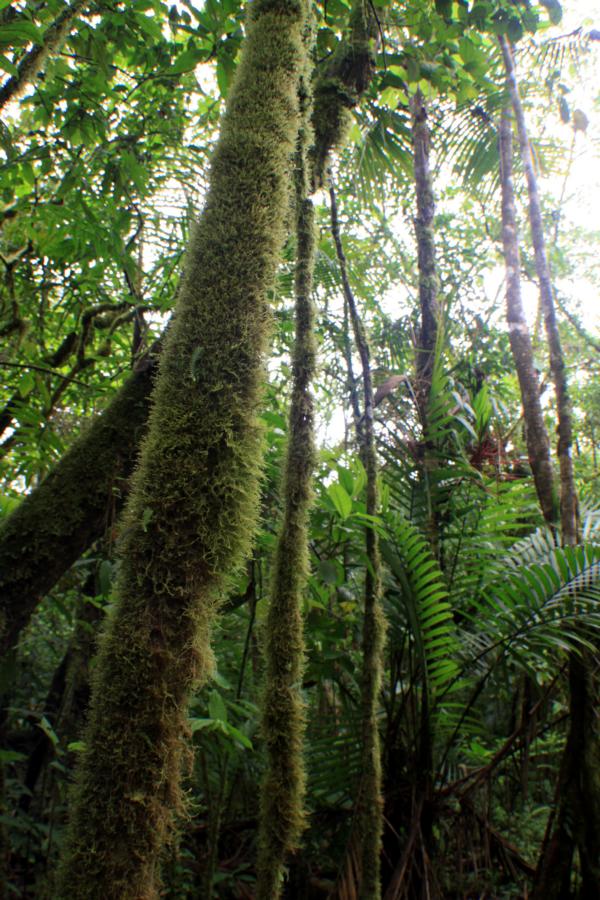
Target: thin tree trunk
[
  {"x": 282, "y": 795},
  {"x": 578, "y": 816},
  {"x": 536, "y": 435},
  {"x": 340, "y": 85},
  {"x": 192, "y": 511},
  {"x": 428, "y": 338},
  {"x": 369, "y": 805},
  {"x": 34, "y": 60},
  {"x": 38, "y": 545},
  {"x": 428, "y": 278},
  {"x": 568, "y": 493}
]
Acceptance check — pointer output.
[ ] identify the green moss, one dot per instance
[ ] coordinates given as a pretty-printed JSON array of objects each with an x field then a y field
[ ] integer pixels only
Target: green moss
[
  {"x": 192, "y": 512},
  {"x": 71, "y": 508},
  {"x": 340, "y": 86},
  {"x": 281, "y": 813}
]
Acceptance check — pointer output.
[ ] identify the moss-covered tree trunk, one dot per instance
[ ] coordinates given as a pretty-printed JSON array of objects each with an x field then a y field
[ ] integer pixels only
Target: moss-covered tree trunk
[
  {"x": 428, "y": 338},
  {"x": 536, "y": 435},
  {"x": 427, "y": 346},
  {"x": 55, "y": 524},
  {"x": 282, "y": 794},
  {"x": 424, "y": 231},
  {"x": 568, "y": 493},
  {"x": 37, "y": 548},
  {"x": 192, "y": 510}
]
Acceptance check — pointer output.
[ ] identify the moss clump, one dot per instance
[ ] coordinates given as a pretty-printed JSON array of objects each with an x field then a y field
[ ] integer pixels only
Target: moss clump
[
  {"x": 340, "y": 85},
  {"x": 281, "y": 813},
  {"x": 192, "y": 510}
]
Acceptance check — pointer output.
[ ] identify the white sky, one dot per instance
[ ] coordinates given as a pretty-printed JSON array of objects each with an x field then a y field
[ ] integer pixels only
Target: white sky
[{"x": 582, "y": 196}]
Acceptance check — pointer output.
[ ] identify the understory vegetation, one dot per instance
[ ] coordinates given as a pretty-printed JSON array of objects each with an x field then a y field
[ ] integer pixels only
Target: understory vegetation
[{"x": 299, "y": 434}]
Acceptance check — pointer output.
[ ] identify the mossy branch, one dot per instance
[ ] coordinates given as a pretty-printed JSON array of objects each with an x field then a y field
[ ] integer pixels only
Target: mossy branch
[
  {"x": 55, "y": 524},
  {"x": 369, "y": 805},
  {"x": 34, "y": 60},
  {"x": 425, "y": 235},
  {"x": 192, "y": 512}
]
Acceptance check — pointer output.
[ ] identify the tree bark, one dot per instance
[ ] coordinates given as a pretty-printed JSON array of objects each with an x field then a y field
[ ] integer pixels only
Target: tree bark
[
  {"x": 536, "y": 435},
  {"x": 578, "y": 815},
  {"x": 192, "y": 511},
  {"x": 428, "y": 278},
  {"x": 429, "y": 333}
]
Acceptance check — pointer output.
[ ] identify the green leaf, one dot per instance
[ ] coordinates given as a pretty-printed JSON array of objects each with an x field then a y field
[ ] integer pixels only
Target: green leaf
[
  {"x": 216, "y": 707},
  {"x": 146, "y": 518},
  {"x": 20, "y": 33},
  {"x": 105, "y": 577},
  {"x": 346, "y": 480},
  {"x": 10, "y": 756},
  {"x": 187, "y": 61},
  {"x": 341, "y": 500},
  {"x": 8, "y": 66},
  {"x": 413, "y": 70},
  {"x": 328, "y": 571},
  {"x": 49, "y": 731},
  {"x": 237, "y": 735},
  {"x": 26, "y": 384},
  {"x": 201, "y": 724}
]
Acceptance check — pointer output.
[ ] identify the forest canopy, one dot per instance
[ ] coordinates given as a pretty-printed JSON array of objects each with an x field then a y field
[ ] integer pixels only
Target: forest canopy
[{"x": 299, "y": 433}]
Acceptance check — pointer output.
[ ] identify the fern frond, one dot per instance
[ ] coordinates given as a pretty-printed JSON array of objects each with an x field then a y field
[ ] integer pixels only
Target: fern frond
[{"x": 424, "y": 596}]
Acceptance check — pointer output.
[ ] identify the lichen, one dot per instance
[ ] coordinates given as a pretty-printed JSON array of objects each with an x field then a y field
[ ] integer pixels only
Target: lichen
[{"x": 192, "y": 510}]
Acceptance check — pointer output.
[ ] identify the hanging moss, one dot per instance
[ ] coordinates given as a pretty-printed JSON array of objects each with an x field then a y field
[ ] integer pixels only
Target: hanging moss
[
  {"x": 340, "y": 85},
  {"x": 281, "y": 813},
  {"x": 192, "y": 510}
]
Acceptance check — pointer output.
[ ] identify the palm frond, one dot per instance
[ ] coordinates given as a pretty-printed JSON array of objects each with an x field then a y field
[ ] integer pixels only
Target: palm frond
[{"x": 531, "y": 611}]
